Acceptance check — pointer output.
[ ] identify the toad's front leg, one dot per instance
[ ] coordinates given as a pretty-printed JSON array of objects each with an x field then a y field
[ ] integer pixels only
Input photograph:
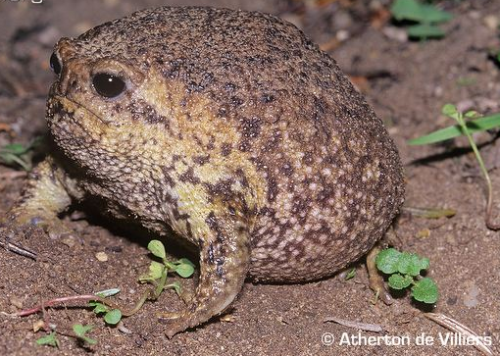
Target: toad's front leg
[
  {"x": 224, "y": 263},
  {"x": 47, "y": 193}
]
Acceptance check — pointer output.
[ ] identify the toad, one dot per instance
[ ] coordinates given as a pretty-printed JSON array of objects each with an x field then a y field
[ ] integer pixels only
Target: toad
[{"x": 230, "y": 128}]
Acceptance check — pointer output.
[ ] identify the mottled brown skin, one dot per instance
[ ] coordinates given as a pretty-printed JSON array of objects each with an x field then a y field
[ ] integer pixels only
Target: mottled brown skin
[{"x": 236, "y": 131}]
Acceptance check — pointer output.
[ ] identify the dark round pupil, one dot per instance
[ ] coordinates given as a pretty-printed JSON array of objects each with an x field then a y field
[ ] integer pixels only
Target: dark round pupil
[
  {"x": 108, "y": 85},
  {"x": 55, "y": 65}
]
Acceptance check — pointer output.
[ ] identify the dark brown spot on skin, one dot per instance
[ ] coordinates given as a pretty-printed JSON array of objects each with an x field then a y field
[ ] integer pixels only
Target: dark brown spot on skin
[
  {"x": 287, "y": 168},
  {"x": 300, "y": 208},
  {"x": 219, "y": 270},
  {"x": 250, "y": 127},
  {"x": 267, "y": 98},
  {"x": 235, "y": 101},
  {"x": 140, "y": 110},
  {"x": 230, "y": 87},
  {"x": 222, "y": 112},
  {"x": 211, "y": 221},
  {"x": 242, "y": 178},
  {"x": 272, "y": 189},
  {"x": 308, "y": 158},
  {"x": 211, "y": 143},
  {"x": 201, "y": 160},
  {"x": 244, "y": 146},
  {"x": 189, "y": 177},
  {"x": 226, "y": 149},
  {"x": 211, "y": 258}
]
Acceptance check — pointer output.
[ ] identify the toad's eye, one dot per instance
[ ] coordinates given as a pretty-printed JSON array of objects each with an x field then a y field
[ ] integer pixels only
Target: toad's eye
[
  {"x": 55, "y": 65},
  {"x": 108, "y": 85}
]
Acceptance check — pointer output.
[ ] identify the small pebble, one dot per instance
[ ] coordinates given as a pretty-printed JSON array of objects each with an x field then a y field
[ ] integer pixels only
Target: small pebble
[
  {"x": 438, "y": 91},
  {"x": 491, "y": 21},
  {"x": 394, "y": 33},
  {"x": 38, "y": 325},
  {"x": 69, "y": 241},
  {"x": 102, "y": 256},
  {"x": 470, "y": 299},
  {"x": 122, "y": 328},
  {"x": 342, "y": 35},
  {"x": 18, "y": 303}
]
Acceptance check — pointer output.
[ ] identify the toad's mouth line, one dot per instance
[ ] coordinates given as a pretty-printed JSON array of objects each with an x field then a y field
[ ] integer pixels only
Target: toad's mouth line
[{"x": 62, "y": 98}]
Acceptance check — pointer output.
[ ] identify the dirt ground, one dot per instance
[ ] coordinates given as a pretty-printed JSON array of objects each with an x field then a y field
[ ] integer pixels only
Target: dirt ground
[{"x": 406, "y": 82}]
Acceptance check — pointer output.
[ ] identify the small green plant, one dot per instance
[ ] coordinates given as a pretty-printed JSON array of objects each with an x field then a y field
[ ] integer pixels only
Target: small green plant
[
  {"x": 466, "y": 128},
  {"x": 426, "y": 16},
  {"x": 111, "y": 316},
  {"x": 158, "y": 271},
  {"x": 17, "y": 154},
  {"x": 81, "y": 333},
  {"x": 49, "y": 340},
  {"x": 404, "y": 269},
  {"x": 351, "y": 274}
]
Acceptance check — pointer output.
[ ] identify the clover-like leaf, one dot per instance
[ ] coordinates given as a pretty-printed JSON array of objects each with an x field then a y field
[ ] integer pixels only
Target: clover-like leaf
[
  {"x": 113, "y": 317},
  {"x": 185, "y": 270},
  {"x": 410, "y": 263},
  {"x": 157, "y": 249},
  {"x": 426, "y": 291},
  {"x": 387, "y": 260},
  {"x": 398, "y": 281},
  {"x": 156, "y": 270}
]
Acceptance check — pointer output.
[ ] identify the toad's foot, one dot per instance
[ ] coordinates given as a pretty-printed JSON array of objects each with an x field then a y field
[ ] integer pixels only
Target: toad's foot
[
  {"x": 19, "y": 221},
  {"x": 376, "y": 281},
  {"x": 47, "y": 195},
  {"x": 224, "y": 265}
]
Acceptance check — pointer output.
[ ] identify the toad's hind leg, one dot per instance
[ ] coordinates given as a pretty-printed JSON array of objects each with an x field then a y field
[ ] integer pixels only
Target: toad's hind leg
[{"x": 224, "y": 263}]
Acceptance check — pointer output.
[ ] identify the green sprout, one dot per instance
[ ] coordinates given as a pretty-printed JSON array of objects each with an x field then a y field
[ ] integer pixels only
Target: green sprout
[
  {"x": 49, "y": 340},
  {"x": 466, "y": 128},
  {"x": 158, "y": 271},
  {"x": 351, "y": 274},
  {"x": 17, "y": 154},
  {"x": 112, "y": 316},
  {"x": 426, "y": 16},
  {"x": 404, "y": 269},
  {"x": 81, "y": 333}
]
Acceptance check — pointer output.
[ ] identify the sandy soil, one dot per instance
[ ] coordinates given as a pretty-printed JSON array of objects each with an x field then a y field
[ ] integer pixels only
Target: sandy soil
[{"x": 406, "y": 82}]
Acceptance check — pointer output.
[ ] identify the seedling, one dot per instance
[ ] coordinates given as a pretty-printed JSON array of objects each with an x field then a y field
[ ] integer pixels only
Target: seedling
[
  {"x": 351, "y": 274},
  {"x": 467, "y": 128},
  {"x": 17, "y": 154},
  {"x": 404, "y": 269},
  {"x": 426, "y": 16},
  {"x": 157, "y": 274},
  {"x": 49, "y": 340},
  {"x": 81, "y": 333}
]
